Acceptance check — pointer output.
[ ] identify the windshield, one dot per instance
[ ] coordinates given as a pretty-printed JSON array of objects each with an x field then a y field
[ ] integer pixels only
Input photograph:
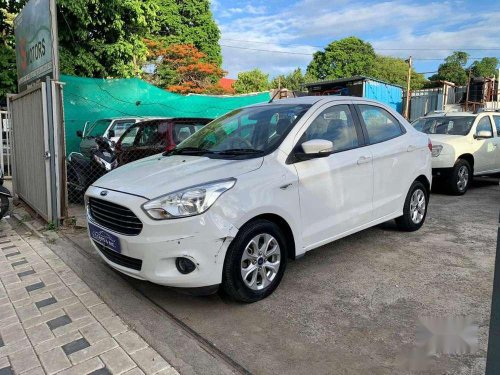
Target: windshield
[
  {"x": 452, "y": 125},
  {"x": 252, "y": 130},
  {"x": 121, "y": 126},
  {"x": 98, "y": 128}
]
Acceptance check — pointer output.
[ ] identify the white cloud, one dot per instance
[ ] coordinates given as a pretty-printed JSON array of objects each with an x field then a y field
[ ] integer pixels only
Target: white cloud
[{"x": 302, "y": 26}]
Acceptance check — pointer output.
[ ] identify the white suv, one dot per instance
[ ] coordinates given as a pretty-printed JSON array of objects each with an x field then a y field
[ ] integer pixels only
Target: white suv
[
  {"x": 464, "y": 144},
  {"x": 230, "y": 204}
]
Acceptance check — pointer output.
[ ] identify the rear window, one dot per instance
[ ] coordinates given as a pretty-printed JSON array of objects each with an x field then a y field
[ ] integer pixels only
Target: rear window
[
  {"x": 452, "y": 125},
  {"x": 182, "y": 132}
]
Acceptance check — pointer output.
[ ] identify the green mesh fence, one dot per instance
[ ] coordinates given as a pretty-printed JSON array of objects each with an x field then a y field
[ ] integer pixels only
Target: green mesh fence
[{"x": 89, "y": 99}]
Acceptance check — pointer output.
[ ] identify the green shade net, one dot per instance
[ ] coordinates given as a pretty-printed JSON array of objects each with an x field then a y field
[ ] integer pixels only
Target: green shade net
[{"x": 90, "y": 99}]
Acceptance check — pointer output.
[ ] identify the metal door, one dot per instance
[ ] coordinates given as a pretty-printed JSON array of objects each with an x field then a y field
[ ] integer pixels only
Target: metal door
[{"x": 30, "y": 136}]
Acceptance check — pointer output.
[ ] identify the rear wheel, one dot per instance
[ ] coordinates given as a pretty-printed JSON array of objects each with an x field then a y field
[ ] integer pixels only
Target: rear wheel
[
  {"x": 460, "y": 177},
  {"x": 255, "y": 262},
  {"x": 415, "y": 208}
]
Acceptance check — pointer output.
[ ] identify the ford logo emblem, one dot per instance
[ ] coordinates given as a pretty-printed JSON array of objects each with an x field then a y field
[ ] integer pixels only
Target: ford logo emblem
[{"x": 104, "y": 193}]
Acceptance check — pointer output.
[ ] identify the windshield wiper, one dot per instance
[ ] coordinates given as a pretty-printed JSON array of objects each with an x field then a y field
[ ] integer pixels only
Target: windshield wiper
[
  {"x": 188, "y": 150},
  {"x": 238, "y": 151}
]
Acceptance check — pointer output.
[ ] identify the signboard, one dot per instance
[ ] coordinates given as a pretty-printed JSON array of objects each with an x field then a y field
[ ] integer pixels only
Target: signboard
[{"x": 36, "y": 42}]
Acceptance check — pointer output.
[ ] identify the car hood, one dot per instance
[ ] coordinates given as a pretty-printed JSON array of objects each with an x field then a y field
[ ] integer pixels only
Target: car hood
[{"x": 159, "y": 175}]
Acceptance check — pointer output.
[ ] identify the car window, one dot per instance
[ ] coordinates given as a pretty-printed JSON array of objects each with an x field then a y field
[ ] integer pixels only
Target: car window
[
  {"x": 380, "y": 124},
  {"x": 484, "y": 124},
  {"x": 154, "y": 135},
  {"x": 334, "y": 124},
  {"x": 184, "y": 131},
  {"x": 120, "y": 126},
  {"x": 98, "y": 128},
  {"x": 130, "y": 135},
  {"x": 452, "y": 125},
  {"x": 497, "y": 124}
]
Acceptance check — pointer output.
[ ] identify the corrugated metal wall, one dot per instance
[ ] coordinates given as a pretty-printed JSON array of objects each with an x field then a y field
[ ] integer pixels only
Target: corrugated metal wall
[
  {"x": 385, "y": 93},
  {"x": 30, "y": 143}
]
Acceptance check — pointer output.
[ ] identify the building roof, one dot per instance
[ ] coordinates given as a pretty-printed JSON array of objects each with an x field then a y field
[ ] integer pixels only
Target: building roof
[
  {"x": 227, "y": 83},
  {"x": 350, "y": 79}
]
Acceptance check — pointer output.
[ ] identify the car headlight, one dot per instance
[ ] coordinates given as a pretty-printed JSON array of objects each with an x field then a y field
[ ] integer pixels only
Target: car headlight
[
  {"x": 436, "y": 150},
  {"x": 187, "y": 202}
]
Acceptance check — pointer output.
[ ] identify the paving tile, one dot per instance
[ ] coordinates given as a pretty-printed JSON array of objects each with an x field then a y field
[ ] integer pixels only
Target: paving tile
[
  {"x": 54, "y": 361},
  {"x": 59, "y": 322},
  {"x": 74, "y": 326},
  {"x": 19, "y": 263},
  {"x": 93, "y": 351},
  {"x": 43, "y": 318},
  {"x": 117, "y": 361},
  {"x": 131, "y": 342},
  {"x": 14, "y": 347},
  {"x": 4, "y": 362},
  {"x": 149, "y": 361},
  {"x": 35, "y": 371},
  {"x": 114, "y": 325},
  {"x": 79, "y": 288},
  {"x": 75, "y": 346},
  {"x": 101, "y": 371},
  {"x": 91, "y": 366},
  {"x": 94, "y": 332},
  {"x": 168, "y": 371},
  {"x": 90, "y": 299},
  {"x": 59, "y": 341},
  {"x": 45, "y": 302},
  {"x": 12, "y": 333},
  {"x": 26, "y": 273},
  {"x": 134, "y": 371},
  {"x": 27, "y": 312},
  {"x": 12, "y": 254},
  {"x": 6, "y": 371},
  {"x": 39, "y": 334},
  {"x": 77, "y": 311},
  {"x": 24, "y": 360},
  {"x": 31, "y": 288},
  {"x": 101, "y": 311}
]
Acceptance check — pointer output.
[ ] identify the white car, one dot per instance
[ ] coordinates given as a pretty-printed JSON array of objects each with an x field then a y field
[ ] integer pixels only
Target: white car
[
  {"x": 464, "y": 145},
  {"x": 233, "y": 202}
]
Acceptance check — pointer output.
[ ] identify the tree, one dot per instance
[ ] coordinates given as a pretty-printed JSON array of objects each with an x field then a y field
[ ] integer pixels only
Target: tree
[
  {"x": 486, "y": 67},
  {"x": 395, "y": 70},
  {"x": 251, "y": 81},
  {"x": 453, "y": 69},
  {"x": 293, "y": 81},
  {"x": 182, "y": 68},
  {"x": 343, "y": 58}
]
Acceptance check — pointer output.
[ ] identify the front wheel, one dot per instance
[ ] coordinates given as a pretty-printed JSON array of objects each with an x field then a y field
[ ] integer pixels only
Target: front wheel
[
  {"x": 460, "y": 177},
  {"x": 415, "y": 208},
  {"x": 4, "y": 205},
  {"x": 255, "y": 262}
]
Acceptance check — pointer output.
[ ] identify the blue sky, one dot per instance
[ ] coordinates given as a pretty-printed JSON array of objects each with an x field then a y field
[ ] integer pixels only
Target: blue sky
[{"x": 426, "y": 30}]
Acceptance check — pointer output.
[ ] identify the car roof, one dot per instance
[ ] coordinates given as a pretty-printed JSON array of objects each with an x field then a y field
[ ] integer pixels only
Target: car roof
[
  {"x": 452, "y": 114},
  {"x": 315, "y": 99}
]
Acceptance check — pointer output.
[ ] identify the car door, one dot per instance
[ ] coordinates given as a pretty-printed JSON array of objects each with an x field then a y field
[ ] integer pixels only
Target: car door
[
  {"x": 485, "y": 149},
  {"x": 335, "y": 192},
  {"x": 393, "y": 159},
  {"x": 496, "y": 142}
]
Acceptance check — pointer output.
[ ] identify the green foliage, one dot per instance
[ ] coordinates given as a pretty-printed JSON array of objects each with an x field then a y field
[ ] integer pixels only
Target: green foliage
[
  {"x": 395, "y": 70},
  {"x": 342, "y": 58},
  {"x": 8, "y": 74},
  {"x": 486, "y": 67},
  {"x": 252, "y": 81},
  {"x": 453, "y": 69},
  {"x": 294, "y": 81}
]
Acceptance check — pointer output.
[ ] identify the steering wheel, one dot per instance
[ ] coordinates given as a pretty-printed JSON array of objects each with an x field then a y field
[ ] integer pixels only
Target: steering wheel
[{"x": 241, "y": 141}]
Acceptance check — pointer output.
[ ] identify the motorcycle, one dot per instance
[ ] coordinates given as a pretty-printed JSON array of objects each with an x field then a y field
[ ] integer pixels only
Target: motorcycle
[
  {"x": 4, "y": 197},
  {"x": 83, "y": 171}
]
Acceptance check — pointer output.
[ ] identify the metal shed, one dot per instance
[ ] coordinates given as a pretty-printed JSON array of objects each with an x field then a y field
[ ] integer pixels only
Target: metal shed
[{"x": 362, "y": 86}]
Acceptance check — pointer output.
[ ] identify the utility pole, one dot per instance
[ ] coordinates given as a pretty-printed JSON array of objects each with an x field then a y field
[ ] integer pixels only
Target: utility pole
[{"x": 408, "y": 93}]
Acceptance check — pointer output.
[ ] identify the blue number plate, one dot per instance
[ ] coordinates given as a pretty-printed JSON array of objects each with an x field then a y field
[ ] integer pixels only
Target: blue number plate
[{"x": 110, "y": 241}]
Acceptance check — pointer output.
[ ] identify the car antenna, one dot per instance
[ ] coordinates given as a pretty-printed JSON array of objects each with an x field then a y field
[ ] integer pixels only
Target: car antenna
[{"x": 274, "y": 96}]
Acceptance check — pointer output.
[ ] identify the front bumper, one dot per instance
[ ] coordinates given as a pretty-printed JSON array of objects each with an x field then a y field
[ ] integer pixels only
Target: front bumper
[
  {"x": 204, "y": 239},
  {"x": 441, "y": 172}
]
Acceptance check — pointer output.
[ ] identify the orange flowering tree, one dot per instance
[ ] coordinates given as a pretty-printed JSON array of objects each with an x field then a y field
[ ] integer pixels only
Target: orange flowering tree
[{"x": 183, "y": 69}]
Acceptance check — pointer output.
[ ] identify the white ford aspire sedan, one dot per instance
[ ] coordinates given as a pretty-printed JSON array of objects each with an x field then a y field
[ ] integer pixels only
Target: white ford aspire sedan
[{"x": 232, "y": 203}]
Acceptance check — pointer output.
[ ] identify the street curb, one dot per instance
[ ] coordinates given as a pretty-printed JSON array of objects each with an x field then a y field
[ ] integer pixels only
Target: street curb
[{"x": 20, "y": 220}]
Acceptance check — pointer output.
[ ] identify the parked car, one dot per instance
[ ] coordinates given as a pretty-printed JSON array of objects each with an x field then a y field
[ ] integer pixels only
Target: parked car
[
  {"x": 464, "y": 145},
  {"x": 232, "y": 203},
  {"x": 154, "y": 136},
  {"x": 111, "y": 128}
]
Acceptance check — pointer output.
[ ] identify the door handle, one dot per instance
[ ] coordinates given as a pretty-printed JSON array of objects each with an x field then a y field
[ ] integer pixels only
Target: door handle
[
  {"x": 411, "y": 148},
  {"x": 364, "y": 160}
]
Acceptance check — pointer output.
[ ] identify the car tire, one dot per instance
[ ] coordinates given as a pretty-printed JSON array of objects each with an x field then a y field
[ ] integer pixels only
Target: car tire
[
  {"x": 414, "y": 209},
  {"x": 4, "y": 205},
  {"x": 256, "y": 250},
  {"x": 460, "y": 177}
]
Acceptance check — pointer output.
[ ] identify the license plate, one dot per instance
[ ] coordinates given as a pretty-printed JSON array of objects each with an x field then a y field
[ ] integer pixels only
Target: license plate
[{"x": 110, "y": 241}]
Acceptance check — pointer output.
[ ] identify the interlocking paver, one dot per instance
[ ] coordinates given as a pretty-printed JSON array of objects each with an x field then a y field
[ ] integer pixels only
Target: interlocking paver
[
  {"x": 117, "y": 361},
  {"x": 51, "y": 322}
]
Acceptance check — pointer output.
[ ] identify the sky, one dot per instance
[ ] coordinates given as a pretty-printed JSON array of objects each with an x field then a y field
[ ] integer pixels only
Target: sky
[{"x": 278, "y": 36}]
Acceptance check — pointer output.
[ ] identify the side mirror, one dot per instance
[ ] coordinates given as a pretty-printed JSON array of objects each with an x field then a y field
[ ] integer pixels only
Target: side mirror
[
  {"x": 111, "y": 133},
  {"x": 482, "y": 134},
  {"x": 315, "y": 148},
  {"x": 79, "y": 134}
]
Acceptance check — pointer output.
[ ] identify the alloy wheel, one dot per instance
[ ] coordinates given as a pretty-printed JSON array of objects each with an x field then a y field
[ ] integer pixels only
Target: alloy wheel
[
  {"x": 463, "y": 178},
  {"x": 260, "y": 261},
  {"x": 417, "y": 206}
]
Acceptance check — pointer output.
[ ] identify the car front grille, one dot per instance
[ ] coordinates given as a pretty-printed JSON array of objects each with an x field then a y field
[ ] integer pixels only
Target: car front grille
[
  {"x": 120, "y": 259},
  {"x": 114, "y": 217}
]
